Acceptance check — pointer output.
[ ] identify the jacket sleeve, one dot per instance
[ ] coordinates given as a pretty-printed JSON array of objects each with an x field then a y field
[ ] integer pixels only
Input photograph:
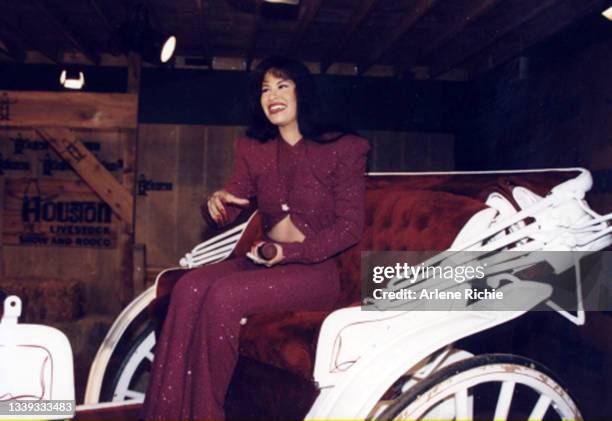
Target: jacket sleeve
[
  {"x": 349, "y": 197},
  {"x": 240, "y": 183}
]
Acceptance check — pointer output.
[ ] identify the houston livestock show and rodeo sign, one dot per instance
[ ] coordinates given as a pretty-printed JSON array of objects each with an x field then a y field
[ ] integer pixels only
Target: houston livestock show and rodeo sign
[{"x": 61, "y": 187}]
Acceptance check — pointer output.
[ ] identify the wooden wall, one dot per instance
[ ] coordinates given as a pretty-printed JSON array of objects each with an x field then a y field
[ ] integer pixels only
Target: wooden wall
[
  {"x": 556, "y": 114},
  {"x": 48, "y": 174}
]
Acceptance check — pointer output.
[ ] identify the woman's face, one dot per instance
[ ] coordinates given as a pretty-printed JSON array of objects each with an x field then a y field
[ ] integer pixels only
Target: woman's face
[{"x": 279, "y": 100}]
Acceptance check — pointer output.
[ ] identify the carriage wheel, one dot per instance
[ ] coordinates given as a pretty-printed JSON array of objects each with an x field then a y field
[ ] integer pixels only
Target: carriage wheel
[
  {"x": 490, "y": 386},
  {"x": 129, "y": 382}
]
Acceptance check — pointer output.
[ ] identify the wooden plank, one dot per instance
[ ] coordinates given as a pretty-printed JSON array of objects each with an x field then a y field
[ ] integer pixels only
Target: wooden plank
[
  {"x": 11, "y": 49},
  {"x": 23, "y": 39},
  {"x": 190, "y": 191},
  {"x": 101, "y": 10},
  {"x": 359, "y": 15},
  {"x": 411, "y": 17},
  {"x": 448, "y": 59},
  {"x": 310, "y": 8},
  {"x": 87, "y": 166},
  {"x": 201, "y": 13},
  {"x": 157, "y": 210},
  {"x": 469, "y": 17},
  {"x": 252, "y": 43},
  {"x": 409, "y": 151},
  {"x": 128, "y": 179},
  {"x": 68, "y": 30},
  {"x": 68, "y": 109},
  {"x": 126, "y": 233},
  {"x": 541, "y": 27}
]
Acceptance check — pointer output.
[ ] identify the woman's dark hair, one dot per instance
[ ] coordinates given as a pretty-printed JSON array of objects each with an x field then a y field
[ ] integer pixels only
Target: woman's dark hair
[{"x": 310, "y": 120}]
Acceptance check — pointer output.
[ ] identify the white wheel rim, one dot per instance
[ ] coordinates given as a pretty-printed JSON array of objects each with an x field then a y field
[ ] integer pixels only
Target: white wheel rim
[{"x": 455, "y": 390}]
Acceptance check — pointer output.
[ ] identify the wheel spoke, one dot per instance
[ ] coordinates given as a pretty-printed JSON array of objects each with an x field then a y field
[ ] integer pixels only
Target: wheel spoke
[
  {"x": 461, "y": 405},
  {"x": 539, "y": 410},
  {"x": 503, "y": 402}
]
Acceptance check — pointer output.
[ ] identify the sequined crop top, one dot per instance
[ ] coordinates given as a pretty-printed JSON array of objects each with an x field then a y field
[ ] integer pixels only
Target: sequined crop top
[{"x": 321, "y": 185}]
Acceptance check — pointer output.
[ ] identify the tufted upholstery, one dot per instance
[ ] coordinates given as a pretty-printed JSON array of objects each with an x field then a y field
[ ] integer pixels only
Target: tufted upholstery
[
  {"x": 417, "y": 212},
  {"x": 402, "y": 213}
]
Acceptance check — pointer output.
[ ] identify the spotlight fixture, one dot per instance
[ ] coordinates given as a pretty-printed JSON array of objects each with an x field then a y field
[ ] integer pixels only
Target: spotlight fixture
[
  {"x": 607, "y": 13},
  {"x": 72, "y": 79},
  {"x": 167, "y": 50},
  {"x": 137, "y": 35}
]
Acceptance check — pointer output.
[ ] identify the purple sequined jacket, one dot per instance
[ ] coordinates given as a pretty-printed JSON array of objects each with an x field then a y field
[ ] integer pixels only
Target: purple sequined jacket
[{"x": 321, "y": 186}]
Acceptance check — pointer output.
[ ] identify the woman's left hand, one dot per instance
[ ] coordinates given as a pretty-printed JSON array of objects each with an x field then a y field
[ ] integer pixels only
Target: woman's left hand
[{"x": 254, "y": 256}]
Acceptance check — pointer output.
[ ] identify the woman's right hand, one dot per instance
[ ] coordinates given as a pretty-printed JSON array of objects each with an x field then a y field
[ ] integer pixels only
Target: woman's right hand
[{"x": 216, "y": 205}]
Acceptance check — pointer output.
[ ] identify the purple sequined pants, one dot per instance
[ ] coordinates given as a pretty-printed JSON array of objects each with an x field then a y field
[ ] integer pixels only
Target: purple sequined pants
[{"x": 198, "y": 346}]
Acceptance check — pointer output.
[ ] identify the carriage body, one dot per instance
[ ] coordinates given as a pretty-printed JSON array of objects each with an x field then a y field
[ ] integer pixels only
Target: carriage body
[{"x": 404, "y": 211}]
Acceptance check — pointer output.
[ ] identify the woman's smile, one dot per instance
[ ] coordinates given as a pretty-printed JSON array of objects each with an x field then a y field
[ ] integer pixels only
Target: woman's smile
[{"x": 276, "y": 107}]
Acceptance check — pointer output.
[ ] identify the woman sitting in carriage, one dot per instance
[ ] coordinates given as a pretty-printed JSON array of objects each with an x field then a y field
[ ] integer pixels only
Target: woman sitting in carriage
[{"x": 309, "y": 185}]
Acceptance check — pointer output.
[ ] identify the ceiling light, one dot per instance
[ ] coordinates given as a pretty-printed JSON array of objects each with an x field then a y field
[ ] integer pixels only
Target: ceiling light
[
  {"x": 72, "y": 79},
  {"x": 607, "y": 13},
  {"x": 167, "y": 50},
  {"x": 137, "y": 35}
]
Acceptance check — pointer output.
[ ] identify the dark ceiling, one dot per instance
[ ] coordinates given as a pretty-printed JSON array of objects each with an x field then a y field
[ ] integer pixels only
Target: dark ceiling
[{"x": 438, "y": 36}]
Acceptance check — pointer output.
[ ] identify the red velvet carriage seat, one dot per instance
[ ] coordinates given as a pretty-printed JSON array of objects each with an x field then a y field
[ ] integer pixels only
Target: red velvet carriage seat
[{"x": 417, "y": 212}]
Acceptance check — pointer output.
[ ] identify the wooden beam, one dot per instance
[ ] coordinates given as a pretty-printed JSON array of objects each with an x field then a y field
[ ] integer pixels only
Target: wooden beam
[
  {"x": 129, "y": 139},
  {"x": 21, "y": 38},
  {"x": 250, "y": 50},
  {"x": 154, "y": 19},
  {"x": 408, "y": 21},
  {"x": 11, "y": 49},
  {"x": 69, "y": 31},
  {"x": 471, "y": 16},
  {"x": 204, "y": 46},
  {"x": 359, "y": 15},
  {"x": 103, "y": 16},
  {"x": 91, "y": 170},
  {"x": 540, "y": 28},
  {"x": 68, "y": 109},
  {"x": 449, "y": 60},
  {"x": 307, "y": 15}
]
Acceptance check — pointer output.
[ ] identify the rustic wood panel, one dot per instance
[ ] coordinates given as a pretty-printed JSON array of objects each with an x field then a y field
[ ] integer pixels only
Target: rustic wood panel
[
  {"x": 191, "y": 186},
  {"x": 96, "y": 268},
  {"x": 69, "y": 109},
  {"x": 219, "y": 155},
  {"x": 24, "y": 154},
  {"x": 87, "y": 166},
  {"x": 197, "y": 161},
  {"x": 156, "y": 211},
  {"x": 403, "y": 151}
]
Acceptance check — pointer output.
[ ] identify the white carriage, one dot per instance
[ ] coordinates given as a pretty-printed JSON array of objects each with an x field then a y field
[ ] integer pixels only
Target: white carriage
[{"x": 403, "y": 364}]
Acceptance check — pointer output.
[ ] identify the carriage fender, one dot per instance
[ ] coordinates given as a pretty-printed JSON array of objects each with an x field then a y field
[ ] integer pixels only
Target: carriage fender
[{"x": 361, "y": 354}]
